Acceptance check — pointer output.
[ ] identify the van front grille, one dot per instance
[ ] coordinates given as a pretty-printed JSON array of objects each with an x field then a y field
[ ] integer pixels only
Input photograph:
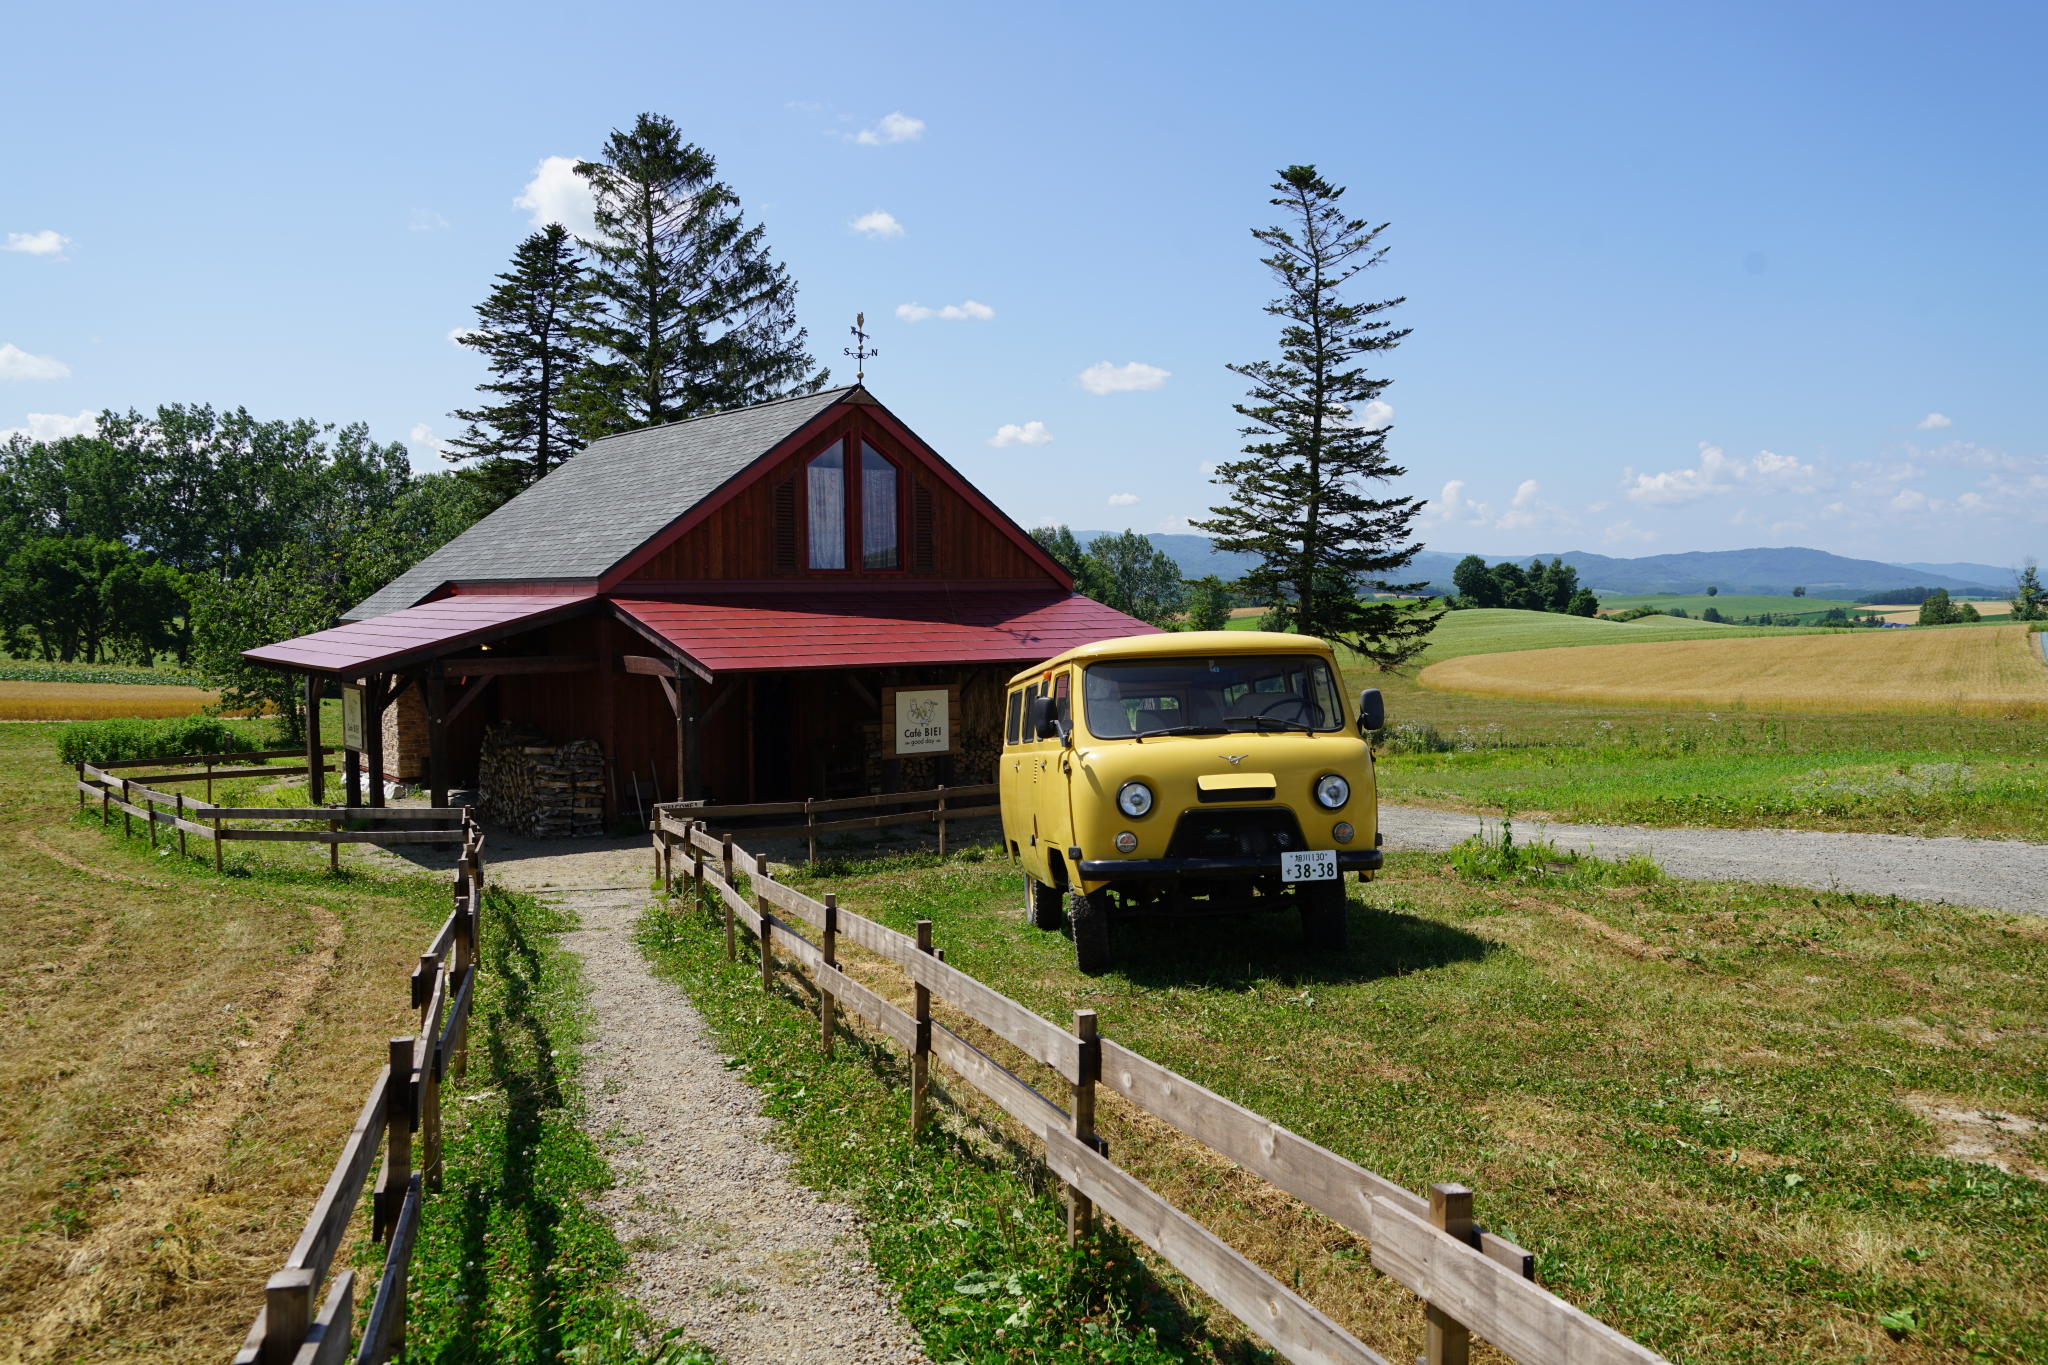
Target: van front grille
[{"x": 1263, "y": 832}]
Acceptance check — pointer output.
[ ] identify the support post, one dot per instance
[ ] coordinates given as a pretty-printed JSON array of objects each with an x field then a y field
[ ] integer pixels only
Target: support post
[
  {"x": 377, "y": 694},
  {"x": 608, "y": 718},
  {"x": 921, "y": 1058},
  {"x": 316, "y": 761},
  {"x": 398, "y": 1124},
  {"x": 1080, "y": 1208},
  {"x": 828, "y": 1004},
  {"x": 942, "y": 822},
  {"x": 761, "y": 905},
  {"x": 287, "y": 1314},
  {"x": 437, "y": 734},
  {"x": 689, "y": 736},
  {"x": 1448, "y": 1342},
  {"x": 352, "y": 777}
]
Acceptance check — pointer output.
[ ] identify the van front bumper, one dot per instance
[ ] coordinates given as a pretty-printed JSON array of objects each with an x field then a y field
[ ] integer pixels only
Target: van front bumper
[{"x": 1127, "y": 869}]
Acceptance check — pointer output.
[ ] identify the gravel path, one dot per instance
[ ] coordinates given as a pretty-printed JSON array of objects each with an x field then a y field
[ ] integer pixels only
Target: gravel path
[
  {"x": 1998, "y": 874},
  {"x": 724, "y": 1245}
]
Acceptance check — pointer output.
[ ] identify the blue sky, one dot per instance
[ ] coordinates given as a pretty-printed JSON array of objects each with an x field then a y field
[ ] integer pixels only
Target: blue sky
[{"x": 1680, "y": 278}]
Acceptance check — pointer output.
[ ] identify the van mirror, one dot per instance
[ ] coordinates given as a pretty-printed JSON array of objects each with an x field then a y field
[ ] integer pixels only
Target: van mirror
[
  {"x": 1045, "y": 718},
  {"x": 1372, "y": 710}
]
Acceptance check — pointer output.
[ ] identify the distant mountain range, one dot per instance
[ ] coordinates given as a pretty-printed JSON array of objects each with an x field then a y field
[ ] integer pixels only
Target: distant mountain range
[{"x": 1761, "y": 571}]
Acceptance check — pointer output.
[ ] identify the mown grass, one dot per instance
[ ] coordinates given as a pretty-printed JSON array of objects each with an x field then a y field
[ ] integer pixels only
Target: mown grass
[
  {"x": 1733, "y": 1121},
  {"x": 183, "y": 1055},
  {"x": 99, "y": 700}
]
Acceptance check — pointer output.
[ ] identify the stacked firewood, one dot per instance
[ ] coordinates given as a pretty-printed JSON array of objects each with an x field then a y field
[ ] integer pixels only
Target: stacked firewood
[{"x": 538, "y": 788}]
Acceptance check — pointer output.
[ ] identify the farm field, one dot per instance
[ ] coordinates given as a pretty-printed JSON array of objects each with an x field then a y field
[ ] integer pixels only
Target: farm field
[
  {"x": 1496, "y": 630},
  {"x": 1728, "y": 605},
  {"x": 1951, "y": 672},
  {"x": 1739, "y": 1124},
  {"x": 99, "y": 701}
]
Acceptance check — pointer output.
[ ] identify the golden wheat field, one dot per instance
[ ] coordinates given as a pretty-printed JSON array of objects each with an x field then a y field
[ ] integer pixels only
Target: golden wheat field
[
  {"x": 99, "y": 701},
  {"x": 1992, "y": 671}
]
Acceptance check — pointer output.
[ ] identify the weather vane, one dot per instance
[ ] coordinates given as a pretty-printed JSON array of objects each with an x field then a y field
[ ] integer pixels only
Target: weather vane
[{"x": 861, "y": 352}]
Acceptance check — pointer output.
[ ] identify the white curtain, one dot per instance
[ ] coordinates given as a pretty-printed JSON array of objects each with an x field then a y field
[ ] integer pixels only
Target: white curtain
[
  {"x": 877, "y": 510},
  {"x": 828, "y": 508}
]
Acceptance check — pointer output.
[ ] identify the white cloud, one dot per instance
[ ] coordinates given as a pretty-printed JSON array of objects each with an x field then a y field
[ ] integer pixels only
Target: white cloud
[
  {"x": 1715, "y": 474},
  {"x": 1030, "y": 434},
  {"x": 1103, "y": 377},
  {"x": 1622, "y": 532},
  {"x": 426, "y": 220},
  {"x": 44, "y": 243},
  {"x": 877, "y": 225},
  {"x": 458, "y": 335},
  {"x": 1933, "y": 421},
  {"x": 54, "y": 426},
  {"x": 556, "y": 194},
  {"x": 1453, "y": 505},
  {"x": 16, "y": 363},
  {"x": 1208, "y": 467},
  {"x": 898, "y": 127},
  {"x": 917, "y": 312},
  {"x": 1374, "y": 416},
  {"x": 423, "y": 435},
  {"x": 1123, "y": 499}
]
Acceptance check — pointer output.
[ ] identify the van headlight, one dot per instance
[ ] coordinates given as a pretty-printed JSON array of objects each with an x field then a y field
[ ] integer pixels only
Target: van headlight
[
  {"x": 1332, "y": 791},
  {"x": 1134, "y": 798}
]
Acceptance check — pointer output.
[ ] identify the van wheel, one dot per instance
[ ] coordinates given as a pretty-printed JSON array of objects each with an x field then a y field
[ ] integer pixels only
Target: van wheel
[
  {"x": 1042, "y": 903},
  {"x": 1323, "y": 915},
  {"x": 1089, "y": 916}
]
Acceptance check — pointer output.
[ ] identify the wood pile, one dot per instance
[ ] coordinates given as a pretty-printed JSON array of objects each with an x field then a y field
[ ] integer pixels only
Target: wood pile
[{"x": 541, "y": 789}]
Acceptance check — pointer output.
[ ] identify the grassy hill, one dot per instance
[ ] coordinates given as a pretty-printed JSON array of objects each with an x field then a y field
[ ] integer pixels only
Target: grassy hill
[
  {"x": 1745, "y": 604},
  {"x": 1497, "y": 630}
]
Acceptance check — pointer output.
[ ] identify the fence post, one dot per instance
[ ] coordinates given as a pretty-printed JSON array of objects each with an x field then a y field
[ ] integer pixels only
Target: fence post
[
  {"x": 431, "y": 1067},
  {"x": 732, "y": 950},
  {"x": 216, "y": 844},
  {"x": 181, "y": 826},
  {"x": 106, "y": 790},
  {"x": 1448, "y": 1341},
  {"x": 397, "y": 1142},
  {"x": 334, "y": 848},
  {"x": 209, "y": 779},
  {"x": 81, "y": 784},
  {"x": 1080, "y": 1208},
  {"x": 828, "y": 1004},
  {"x": 810, "y": 819},
  {"x": 761, "y": 906},
  {"x": 287, "y": 1314},
  {"x": 127, "y": 822},
  {"x": 921, "y": 1059},
  {"x": 151, "y": 803},
  {"x": 942, "y": 822}
]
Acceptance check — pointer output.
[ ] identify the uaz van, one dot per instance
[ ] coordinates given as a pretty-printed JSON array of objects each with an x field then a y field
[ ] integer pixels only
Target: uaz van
[{"x": 1178, "y": 775}]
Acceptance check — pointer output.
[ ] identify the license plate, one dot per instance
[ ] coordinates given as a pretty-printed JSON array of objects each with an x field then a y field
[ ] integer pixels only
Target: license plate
[{"x": 1308, "y": 865}]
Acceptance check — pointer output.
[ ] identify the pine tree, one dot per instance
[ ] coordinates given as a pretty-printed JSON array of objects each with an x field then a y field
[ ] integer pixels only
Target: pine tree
[
  {"x": 529, "y": 330},
  {"x": 691, "y": 313},
  {"x": 2029, "y": 599},
  {"x": 1297, "y": 502},
  {"x": 1208, "y": 603}
]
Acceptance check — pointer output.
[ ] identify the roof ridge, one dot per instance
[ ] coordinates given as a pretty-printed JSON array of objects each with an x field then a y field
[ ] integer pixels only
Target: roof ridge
[{"x": 731, "y": 412}]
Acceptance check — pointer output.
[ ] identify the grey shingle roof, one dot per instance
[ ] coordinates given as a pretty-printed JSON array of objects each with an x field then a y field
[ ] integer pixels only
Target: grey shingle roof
[{"x": 604, "y": 504}]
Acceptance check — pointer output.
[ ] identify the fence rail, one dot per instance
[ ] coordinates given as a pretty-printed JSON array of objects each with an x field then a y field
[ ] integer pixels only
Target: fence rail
[
  {"x": 1471, "y": 1282},
  {"x": 937, "y": 813},
  {"x": 182, "y": 815},
  {"x": 400, "y": 1120}
]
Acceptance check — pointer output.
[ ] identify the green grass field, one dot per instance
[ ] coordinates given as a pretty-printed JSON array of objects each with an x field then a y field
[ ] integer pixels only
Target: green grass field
[
  {"x": 1726, "y": 1118},
  {"x": 1694, "y": 604}
]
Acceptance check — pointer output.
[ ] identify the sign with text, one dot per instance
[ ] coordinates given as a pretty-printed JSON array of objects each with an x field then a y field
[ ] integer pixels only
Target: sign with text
[
  {"x": 922, "y": 720},
  {"x": 352, "y": 718}
]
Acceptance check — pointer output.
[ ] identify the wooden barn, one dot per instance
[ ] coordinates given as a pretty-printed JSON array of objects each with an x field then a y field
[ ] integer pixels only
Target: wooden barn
[{"x": 728, "y": 608}]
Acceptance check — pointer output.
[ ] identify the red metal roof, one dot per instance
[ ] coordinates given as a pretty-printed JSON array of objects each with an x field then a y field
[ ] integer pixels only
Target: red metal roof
[
  {"x": 741, "y": 633},
  {"x": 403, "y": 637}
]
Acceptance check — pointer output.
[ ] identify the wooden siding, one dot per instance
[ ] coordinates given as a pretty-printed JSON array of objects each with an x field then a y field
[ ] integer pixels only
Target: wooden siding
[{"x": 738, "y": 540}]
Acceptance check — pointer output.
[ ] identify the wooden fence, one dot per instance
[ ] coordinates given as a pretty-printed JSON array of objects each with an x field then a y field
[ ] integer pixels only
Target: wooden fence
[
  {"x": 402, "y": 1117},
  {"x": 182, "y": 815},
  {"x": 1471, "y": 1281},
  {"x": 933, "y": 811}
]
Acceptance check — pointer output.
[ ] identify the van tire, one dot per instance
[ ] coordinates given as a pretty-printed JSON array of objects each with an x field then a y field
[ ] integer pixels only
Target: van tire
[
  {"x": 1043, "y": 904},
  {"x": 1089, "y": 916},
  {"x": 1323, "y": 916}
]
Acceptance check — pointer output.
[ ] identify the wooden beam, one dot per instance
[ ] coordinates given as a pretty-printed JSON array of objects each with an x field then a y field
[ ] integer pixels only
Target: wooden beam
[
  {"x": 491, "y": 668},
  {"x": 470, "y": 694},
  {"x": 376, "y": 700},
  {"x": 385, "y": 700},
  {"x": 725, "y": 694},
  {"x": 865, "y": 695},
  {"x": 689, "y": 738},
  {"x": 316, "y": 771},
  {"x": 642, "y": 663}
]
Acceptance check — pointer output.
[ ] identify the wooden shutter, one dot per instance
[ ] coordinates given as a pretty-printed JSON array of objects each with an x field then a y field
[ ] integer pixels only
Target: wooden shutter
[
  {"x": 783, "y": 519},
  {"x": 923, "y": 557}
]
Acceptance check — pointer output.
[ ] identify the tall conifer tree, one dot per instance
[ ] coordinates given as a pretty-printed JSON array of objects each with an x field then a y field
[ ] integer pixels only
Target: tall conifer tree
[
  {"x": 530, "y": 330},
  {"x": 1299, "y": 502},
  {"x": 690, "y": 311}
]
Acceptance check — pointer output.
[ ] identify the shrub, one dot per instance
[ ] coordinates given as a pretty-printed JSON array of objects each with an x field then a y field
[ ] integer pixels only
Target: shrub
[
  {"x": 1415, "y": 737},
  {"x": 105, "y": 741},
  {"x": 1495, "y": 856}
]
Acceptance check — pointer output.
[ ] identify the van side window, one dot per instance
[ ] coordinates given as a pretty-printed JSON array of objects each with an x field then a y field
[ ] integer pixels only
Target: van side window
[
  {"x": 1016, "y": 713},
  {"x": 1059, "y": 691}
]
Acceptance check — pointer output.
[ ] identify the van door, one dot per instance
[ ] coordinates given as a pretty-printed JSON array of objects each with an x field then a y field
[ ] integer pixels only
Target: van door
[{"x": 1053, "y": 800}]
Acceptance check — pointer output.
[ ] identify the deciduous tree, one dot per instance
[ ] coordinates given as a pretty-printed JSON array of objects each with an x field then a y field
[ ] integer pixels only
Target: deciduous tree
[{"x": 1298, "y": 499}]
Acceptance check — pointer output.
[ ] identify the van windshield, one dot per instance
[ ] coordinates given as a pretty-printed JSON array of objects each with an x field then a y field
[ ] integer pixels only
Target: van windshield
[{"x": 1245, "y": 692}]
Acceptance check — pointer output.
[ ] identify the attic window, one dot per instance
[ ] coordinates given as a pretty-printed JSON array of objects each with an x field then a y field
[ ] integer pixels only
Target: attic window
[
  {"x": 827, "y": 490},
  {"x": 878, "y": 537}
]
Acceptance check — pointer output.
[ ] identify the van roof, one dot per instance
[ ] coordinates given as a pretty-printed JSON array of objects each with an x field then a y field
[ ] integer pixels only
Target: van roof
[{"x": 1170, "y": 644}]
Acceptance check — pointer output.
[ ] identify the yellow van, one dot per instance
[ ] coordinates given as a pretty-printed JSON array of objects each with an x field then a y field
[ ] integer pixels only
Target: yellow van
[{"x": 1197, "y": 773}]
